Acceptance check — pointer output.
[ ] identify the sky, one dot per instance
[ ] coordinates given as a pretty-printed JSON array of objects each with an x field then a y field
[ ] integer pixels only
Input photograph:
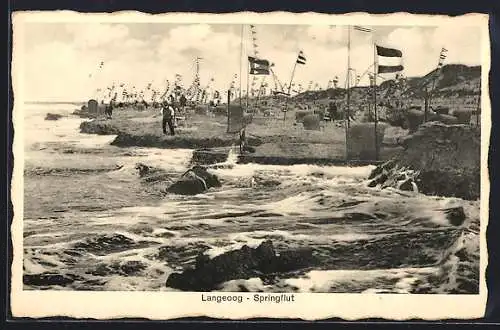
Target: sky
[{"x": 61, "y": 61}]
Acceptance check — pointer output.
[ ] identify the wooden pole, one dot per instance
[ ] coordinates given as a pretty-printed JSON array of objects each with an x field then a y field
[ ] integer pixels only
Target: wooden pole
[
  {"x": 426, "y": 104},
  {"x": 289, "y": 90},
  {"x": 241, "y": 57},
  {"x": 348, "y": 83},
  {"x": 375, "y": 115},
  {"x": 478, "y": 111},
  {"x": 228, "y": 104},
  {"x": 348, "y": 110},
  {"x": 248, "y": 83}
]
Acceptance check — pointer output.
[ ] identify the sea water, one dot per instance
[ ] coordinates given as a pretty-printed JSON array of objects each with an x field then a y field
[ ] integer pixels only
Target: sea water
[{"x": 91, "y": 220}]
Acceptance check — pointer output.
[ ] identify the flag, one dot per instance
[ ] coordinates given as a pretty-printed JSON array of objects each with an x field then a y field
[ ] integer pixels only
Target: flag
[
  {"x": 443, "y": 50},
  {"x": 258, "y": 66},
  {"x": 389, "y": 60},
  {"x": 362, "y": 29},
  {"x": 301, "y": 59},
  {"x": 389, "y": 68},
  {"x": 388, "y": 52}
]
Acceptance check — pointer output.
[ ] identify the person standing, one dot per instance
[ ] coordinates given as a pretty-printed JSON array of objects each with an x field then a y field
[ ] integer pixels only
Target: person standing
[
  {"x": 168, "y": 113},
  {"x": 242, "y": 140}
]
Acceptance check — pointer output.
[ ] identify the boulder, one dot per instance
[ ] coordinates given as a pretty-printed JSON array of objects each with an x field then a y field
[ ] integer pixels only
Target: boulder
[
  {"x": 243, "y": 263},
  {"x": 447, "y": 119},
  {"x": 414, "y": 118},
  {"x": 311, "y": 122},
  {"x": 53, "y": 116},
  {"x": 361, "y": 141},
  {"x": 48, "y": 279},
  {"x": 152, "y": 174},
  {"x": 455, "y": 215},
  {"x": 194, "y": 181},
  {"x": 463, "y": 116},
  {"x": 440, "y": 159},
  {"x": 407, "y": 185}
]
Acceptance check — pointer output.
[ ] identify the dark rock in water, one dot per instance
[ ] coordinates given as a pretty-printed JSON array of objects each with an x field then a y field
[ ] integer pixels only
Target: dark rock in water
[
  {"x": 441, "y": 159},
  {"x": 45, "y": 279},
  {"x": 107, "y": 243},
  {"x": 239, "y": 264},
  {"x": 208, "y": 156},
  {"x": 100, "y": 127},
  {"x": 194, "y": 181},
  {"x": 377, "y": 171},
  {"x": 455, "y": 215},
  {"x": 407, "y": 185},
  {"x": 53, "y": 116},
  {"x": 128, "y": 268},
  {"x": 249, "y": 149},
  {"x": 379, "y": 180}
]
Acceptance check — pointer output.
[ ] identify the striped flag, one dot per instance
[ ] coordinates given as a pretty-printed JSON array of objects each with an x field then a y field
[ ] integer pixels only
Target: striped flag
[
  {"x": 389, "y": 60},
  {"x": 361, "y": 28},
  {"x": 442, "y": 56},
  {"x": 301, "y": 59}
]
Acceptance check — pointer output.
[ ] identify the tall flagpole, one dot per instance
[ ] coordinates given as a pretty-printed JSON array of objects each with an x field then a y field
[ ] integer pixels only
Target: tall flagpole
[
  {"x": 289, "y": 90},
  {"x": 248, "y": 81},
  {"x": 347, "y": 112},
  {"x": 241, "y": 58},
  {"x": 348, "y": 76},
  {"x": 375, "y": 62},
  {"x": 435, "y": 76}
]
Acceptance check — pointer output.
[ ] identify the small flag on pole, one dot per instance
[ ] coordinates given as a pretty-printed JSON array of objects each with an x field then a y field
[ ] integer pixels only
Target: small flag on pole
[
  {"x": 388, "y": 52},
  {"x": 362, "y": 29},
  {"x": 301, "y": 59},
  {"x": 389, "y": 60},
  {"x": 258, "y": 66}
]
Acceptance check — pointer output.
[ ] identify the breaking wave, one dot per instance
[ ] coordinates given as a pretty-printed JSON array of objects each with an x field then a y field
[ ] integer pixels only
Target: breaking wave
[{"x": 91, "y": 223}]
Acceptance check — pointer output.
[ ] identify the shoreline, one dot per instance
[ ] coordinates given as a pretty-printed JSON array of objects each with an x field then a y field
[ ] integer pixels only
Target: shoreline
[
  {"x": 438, "y": 159},
  {"x": 276, "y": 144}
]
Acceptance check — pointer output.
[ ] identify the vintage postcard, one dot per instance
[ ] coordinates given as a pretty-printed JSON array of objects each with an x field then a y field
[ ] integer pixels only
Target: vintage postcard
[{"x": 250, "y": 165}]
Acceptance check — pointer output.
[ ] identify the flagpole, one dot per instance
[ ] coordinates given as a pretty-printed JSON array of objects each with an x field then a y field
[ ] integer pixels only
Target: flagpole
[
  {"x": 435, "y": 78},
  {"x": 478, "y": 110},
  {"x": 348, "y": 84},
  {"x": 289, "y": 89},
  {"x": 375, "y": 98},
  {"x": 241, "y": 58},
  {"x": 248, "y": 82},
  {"x": 348, "y": 76}
]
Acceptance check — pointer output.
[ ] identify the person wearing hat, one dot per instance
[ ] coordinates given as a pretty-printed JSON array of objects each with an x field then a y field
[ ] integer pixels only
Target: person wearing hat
[{"x": 168, "y": 113}]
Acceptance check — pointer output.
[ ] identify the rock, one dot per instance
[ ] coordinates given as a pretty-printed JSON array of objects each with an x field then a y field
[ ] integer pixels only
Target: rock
[
  {"x": 194, "y": 181},
  {"x": 146, "y": 170},
  {"x": 379, "y": 180},
  {"x": 53, "y": 116},
  {"x": 209, "y": 156},
  {"x": 447, "y": 119},
  {"x": 455, "y": 215},
  {"x": 407, "y": 185},
  {"x": 463, "y": 116},
  {"x": 243, "y": 263},
  {"x": 45, "y": 279},
  {"x": 311, "y": 122},
  {"x": 441, "y": 159}
]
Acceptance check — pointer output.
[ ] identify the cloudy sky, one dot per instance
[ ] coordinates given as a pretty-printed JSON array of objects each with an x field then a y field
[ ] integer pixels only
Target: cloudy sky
[{"x": 59, "y": 58}]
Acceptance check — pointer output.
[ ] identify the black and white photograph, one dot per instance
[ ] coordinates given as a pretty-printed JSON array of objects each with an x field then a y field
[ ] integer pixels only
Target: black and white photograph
[{"x": 250, "y": 161}]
